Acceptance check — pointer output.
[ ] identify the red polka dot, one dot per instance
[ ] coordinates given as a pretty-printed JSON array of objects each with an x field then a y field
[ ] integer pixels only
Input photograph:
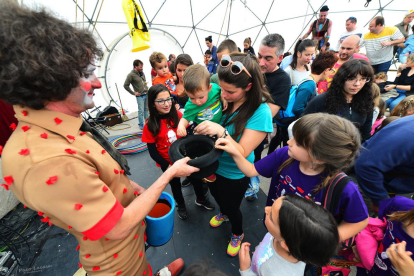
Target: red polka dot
[
  {"x": 71, "y": 137},
  {"x": 136, "y": 236},
  {"x": 70, "y": 227},
  {"x": 82, "y": 133},
  {"x": 43, "y": 135},
  {"x": 40, "y": 213},
  {"x": 85, "y": 238},
  {"x": 87, "y": 256},
  {"x": 57, "y": 120},
  {"x": 52, "y": 180},
  {"x": 103, "y": 151},
  {"x": 105, "y": 189},
  {"x": 13, "y": 126},
  {"x": 46, "y": 219},
  {"x": 106, "y": 239},
  {"x": 142, "y": 222},
  {"x": 1, "y": 149},
  {"x": 125, "y": 190},
  {"x": 87, "y": 151},
  {"x": 5, "y": 186},
  {"x": 122, "y": 171},
  {"x": 25, "y": 128},
  {"x": 50, "y": 224},
  {"x": 115, "y": 255},
  {"x": 24, "y": 206},
  {"x": 77, "y": 247},
  {"x": 78, "y": 206},
  {"x": 116, "y": 171},
  {"x": 24, "y": 112},
  {"x": 96, "y": 268},
  {"x": 24, "y": 152},
  {"x": 97, "y": 173},
  {"x": 9, "y": 179},
  {"x": 144, "y": 273},
  {"x": 80, "y": 265},
  {"x": 119, "y": 273},
  {"x": 140, "y": 254},
  {"x": 136, "y": 193},
  {"x": 70, "y": 151}
]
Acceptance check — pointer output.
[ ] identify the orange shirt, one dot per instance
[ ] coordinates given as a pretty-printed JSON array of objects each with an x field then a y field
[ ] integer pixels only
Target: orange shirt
[
  {"x": 64, "y": 174},
  {"x": 168, "y": 81}
]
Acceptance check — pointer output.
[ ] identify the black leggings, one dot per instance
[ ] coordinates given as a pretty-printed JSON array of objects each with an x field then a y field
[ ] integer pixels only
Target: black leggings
[
  {"x": 229, "y": 194},
  {"x": 177, "y": 192}
]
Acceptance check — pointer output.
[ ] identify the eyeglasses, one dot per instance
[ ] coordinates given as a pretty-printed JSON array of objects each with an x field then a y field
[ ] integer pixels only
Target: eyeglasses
[
  {"x": 163, "y": 102},
  {"x": 355, "y": 80},
  {"x": 332, "y": 69},
  {"x": 236, "y": 66}
]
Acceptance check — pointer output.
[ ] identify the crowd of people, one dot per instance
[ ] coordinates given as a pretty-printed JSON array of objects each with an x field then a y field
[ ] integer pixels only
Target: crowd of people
[{"x": 333, "y": 144}]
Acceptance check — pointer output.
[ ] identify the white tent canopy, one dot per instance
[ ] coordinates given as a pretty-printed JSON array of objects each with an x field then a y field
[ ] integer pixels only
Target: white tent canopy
[{"x": 180, "y": 26}]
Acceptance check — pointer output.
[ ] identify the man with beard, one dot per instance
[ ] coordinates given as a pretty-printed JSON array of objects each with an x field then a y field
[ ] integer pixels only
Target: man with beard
[
  {"x": 347, "y": 51},
  {"x": 320, "y": 29}
]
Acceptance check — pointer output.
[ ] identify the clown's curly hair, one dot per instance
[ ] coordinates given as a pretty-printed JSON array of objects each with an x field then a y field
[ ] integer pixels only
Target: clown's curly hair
[{"x": 41, "y": 57}]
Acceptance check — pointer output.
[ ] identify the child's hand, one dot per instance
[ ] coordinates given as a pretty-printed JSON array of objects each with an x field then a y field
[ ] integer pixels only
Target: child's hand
[
  {"x": 244, "y": 256},
  {"x": 209, "y": 128},
  {"x": 357, "y": 258},
  {"x": 401, "y": 259},
  {"x": 177, "y": 106},
  {"x": 181, "y": 131},
  {"x": 227, "y": 145},
  {"x": 225, "y": 104}
]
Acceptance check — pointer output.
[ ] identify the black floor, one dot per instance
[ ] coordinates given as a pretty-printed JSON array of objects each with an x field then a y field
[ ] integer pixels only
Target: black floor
[{"x": 53, "y": 251}]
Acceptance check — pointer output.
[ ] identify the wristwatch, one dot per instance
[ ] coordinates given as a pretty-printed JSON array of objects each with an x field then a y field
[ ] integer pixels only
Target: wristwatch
[{"x": 225, "y": 133}]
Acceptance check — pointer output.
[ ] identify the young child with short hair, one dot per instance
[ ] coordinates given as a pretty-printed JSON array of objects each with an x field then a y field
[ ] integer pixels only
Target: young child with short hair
[
  {"x": 300, "y": 232},
  {"x": 205, "y": 102},
  {"x": 160, "y": 65}
]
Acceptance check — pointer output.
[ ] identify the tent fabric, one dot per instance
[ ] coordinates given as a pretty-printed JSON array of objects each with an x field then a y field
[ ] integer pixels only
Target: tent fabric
[{"x": 180, "y": 26}]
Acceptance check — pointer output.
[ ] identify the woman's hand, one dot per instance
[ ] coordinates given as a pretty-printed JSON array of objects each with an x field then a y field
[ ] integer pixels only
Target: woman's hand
[
  {"x": 389, "y": 87},
  {"x": 227, "y": 145},
  {"x": 401, "y": 259},
  {"x": 209, "y": 128},
  {"x": 244, "y": 256}
]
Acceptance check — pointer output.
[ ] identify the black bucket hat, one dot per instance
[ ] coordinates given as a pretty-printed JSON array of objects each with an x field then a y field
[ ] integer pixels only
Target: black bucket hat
[{"x": 201, "y": 150}]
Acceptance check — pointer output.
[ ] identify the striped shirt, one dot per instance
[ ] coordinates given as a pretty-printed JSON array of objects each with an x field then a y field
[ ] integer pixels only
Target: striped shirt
[{"x": 377, "y": 53}]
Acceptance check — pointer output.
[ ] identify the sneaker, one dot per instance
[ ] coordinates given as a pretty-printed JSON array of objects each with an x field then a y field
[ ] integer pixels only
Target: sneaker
[
  {"x": 206, "y": 204},
  {"x": 182, "y": 211},
  {"x": 141, "y": 127},
  {"x": 172, "y": 269},
  {"x": 210, "y": 178},
  {"x": 217, "y": 220},
  {"x": 185, "y": 183},
  {"x": 234, "y": 245}
]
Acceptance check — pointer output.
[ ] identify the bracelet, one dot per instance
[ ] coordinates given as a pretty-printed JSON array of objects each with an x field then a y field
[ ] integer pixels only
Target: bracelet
[{"x": 225, "y": 133}]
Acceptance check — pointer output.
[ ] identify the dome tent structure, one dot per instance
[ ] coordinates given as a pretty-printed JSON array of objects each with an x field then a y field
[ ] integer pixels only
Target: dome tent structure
[{"x": 180, "y": 26}]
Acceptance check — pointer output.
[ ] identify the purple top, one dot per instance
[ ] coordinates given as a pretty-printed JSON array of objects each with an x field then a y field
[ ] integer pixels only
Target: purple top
[
  {"x": 393, "y": 234},
  {"x": 292, "y": 180}
]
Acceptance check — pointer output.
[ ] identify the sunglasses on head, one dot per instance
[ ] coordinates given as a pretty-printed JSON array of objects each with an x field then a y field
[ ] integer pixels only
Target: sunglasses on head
[{"x": 236, "y": 67}]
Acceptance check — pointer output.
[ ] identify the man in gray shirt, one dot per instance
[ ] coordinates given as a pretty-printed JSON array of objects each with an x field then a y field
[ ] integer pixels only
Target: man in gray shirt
[{"x": 137, "y": 78}]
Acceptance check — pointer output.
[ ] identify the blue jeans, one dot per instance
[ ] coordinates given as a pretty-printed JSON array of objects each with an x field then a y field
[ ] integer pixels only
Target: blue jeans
[
  {"x": 392, "y": 102},
  {"x": 142, "y": 109},
  {"x": 382, "y": 67}
]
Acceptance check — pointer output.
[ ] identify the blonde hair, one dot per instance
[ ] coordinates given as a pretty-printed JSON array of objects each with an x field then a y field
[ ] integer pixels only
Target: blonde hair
[
  {"x": 195, "y": 77},
  {"x": 330, "y": 139},
  {"x": 156, "y": 57},
  {"x": 376, "y": 94},
  {"x": 403, "y": 107},
  {"x": 406, "y": 217},
  {"x": 248, "y": 41},
  {"x": 381, "y": 76}
]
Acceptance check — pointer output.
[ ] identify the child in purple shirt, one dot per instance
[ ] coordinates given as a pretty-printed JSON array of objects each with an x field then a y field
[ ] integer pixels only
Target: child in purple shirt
[
  {"x": 323, "y": 146},
  {"x": 399, "y": 213}
]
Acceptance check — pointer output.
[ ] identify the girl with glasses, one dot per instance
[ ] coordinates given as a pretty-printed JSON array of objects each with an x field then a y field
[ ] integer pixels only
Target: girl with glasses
[
  {"x": 349, "y": 96},
  {"x": 160, "y": 131},
  {"x": 245, "y": 123}
]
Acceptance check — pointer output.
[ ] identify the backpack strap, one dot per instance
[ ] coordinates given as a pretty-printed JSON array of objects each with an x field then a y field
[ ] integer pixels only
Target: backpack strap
[{"x": 333, "y": 192}]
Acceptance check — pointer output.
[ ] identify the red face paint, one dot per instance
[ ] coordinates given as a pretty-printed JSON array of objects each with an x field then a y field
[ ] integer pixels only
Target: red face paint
[{"x": 86, "y": 85}]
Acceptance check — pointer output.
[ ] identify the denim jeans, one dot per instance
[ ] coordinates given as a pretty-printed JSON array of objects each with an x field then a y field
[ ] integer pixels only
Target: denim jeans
[
  {"x": 382, "y": 67},
  {"x": 142, "y": 109},
  {"x": 392, "y": 102}
]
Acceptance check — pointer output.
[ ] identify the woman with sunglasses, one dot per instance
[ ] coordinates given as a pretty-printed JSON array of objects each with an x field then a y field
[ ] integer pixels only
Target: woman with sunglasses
[
  {"x": 349, "y": 96},
  {"x": 245, "y": 123}
]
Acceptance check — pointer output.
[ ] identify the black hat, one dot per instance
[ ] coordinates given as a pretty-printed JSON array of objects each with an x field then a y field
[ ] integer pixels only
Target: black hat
[
  {"x": 324, "y": 9},
  {"x": 201, "y": 150}
]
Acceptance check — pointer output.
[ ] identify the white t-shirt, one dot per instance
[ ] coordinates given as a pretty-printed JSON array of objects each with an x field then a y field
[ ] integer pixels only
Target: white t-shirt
[
  {"x": 297, "y": 76},
  {"x": 345, "y": 34}
]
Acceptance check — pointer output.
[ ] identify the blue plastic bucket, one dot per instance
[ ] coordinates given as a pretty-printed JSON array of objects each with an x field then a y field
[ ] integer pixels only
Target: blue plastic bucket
[{"x": 160, "y": 229}]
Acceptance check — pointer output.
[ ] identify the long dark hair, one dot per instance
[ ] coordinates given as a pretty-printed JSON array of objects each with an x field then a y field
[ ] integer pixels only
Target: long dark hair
[
  {"x": 154, "y": 120},
  {"x": 254, "y": 97},
  {"x": 182, "y": 59},
  {"x": 300, "y": 47},
  {"x": 309, "y": 231},
  {"x": 362, "y": 102}
]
